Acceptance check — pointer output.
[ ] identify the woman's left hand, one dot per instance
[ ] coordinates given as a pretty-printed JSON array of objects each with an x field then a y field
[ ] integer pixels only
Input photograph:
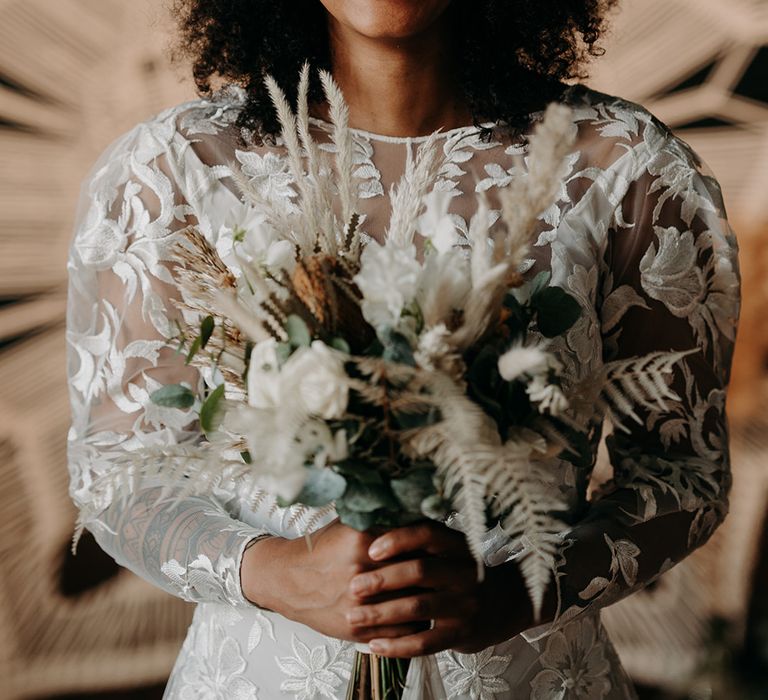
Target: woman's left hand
[{"x": 436, "y": 577}]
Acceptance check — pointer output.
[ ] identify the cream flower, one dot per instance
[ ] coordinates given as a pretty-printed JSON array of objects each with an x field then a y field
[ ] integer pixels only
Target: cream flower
[
  {"x": 264, "y": 247},
  {"x": 317, "y": 374},
  {"x": 264, "y": 378},
  {"x": 436, "y": 224},
  {"x": 388, "y": 280}
]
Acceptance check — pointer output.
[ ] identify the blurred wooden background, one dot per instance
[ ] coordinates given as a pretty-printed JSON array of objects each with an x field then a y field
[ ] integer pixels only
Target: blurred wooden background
[{"x": 75, "y": 74}]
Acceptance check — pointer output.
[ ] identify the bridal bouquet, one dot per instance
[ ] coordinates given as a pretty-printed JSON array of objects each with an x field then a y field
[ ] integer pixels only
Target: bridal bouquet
[{"x": 390, "y": 381}]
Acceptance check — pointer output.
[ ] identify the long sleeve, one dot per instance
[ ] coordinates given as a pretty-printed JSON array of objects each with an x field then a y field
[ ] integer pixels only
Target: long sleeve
[
  {"x": 120, "y": 335},
  {"x": 671, "y": 281}
]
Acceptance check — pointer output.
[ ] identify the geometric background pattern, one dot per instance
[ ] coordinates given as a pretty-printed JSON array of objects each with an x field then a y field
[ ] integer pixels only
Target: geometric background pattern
[{"x": 75, "y": 74}]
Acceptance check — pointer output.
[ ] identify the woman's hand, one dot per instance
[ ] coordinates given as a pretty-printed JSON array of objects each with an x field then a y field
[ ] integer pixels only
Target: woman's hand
[
  {"x": 312, "y": 586},
  {"x": 466, "y": 615}
]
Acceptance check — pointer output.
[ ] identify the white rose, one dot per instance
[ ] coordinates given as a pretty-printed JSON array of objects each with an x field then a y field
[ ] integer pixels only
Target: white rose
[
  {"x": 264, "y": 380},
  {"x": 317, "y": 374}
]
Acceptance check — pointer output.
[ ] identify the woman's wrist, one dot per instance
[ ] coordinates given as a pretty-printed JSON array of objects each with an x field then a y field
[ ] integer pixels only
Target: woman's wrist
[{"x": 257, "y": 572}]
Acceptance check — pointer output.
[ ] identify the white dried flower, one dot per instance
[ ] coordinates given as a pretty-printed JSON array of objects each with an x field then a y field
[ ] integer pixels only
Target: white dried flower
[
  {"x": 432, "y": 345},
  {"x": 317, "y": 375},
  {"x": 522, "y": 359},
  {"x": 547, "y": 396},
  {"x": 333, "y": 448},
  {"x": 388, "y": 280}
]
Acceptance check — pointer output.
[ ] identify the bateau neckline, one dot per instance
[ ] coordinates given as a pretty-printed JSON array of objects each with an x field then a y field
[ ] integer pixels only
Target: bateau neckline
[{"x": 328, "y": 126}]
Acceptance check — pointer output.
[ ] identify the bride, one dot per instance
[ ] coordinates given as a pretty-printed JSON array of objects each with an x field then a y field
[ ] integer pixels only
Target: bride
[{"x": 638, "y": 236}]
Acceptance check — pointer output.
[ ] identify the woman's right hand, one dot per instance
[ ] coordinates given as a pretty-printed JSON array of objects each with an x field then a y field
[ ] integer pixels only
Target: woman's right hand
[{"x": 311, "y": 586}]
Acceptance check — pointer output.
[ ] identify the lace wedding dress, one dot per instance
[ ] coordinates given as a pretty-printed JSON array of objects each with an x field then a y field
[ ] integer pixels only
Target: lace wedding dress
[{"x": 638, "y": 237}]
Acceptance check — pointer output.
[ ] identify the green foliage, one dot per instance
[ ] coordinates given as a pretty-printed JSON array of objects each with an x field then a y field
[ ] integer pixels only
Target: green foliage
[
  {"x": 193, "y": 349},
  {"x": 556, "y": 311},
  {"x": 173, "y": 396},
  {"x": 298, "y": 331},
  {"x": 283, "y": 352},
  {"x": 323, "y": 486},
  {"x": 435, "y": 507},
  {"x": 396, "y": 348},
  {"x": 367, "y": 497},
  {"x": 413, "y": 488},
  {"x": 211, "y": 411},
  {"x": 355, "y": 519},
  {"x": 206, "y": 330},
  {"x": 341, "y": 345}
]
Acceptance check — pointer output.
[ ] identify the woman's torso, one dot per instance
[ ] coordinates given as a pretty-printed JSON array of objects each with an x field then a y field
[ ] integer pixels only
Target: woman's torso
[{"x": 236, "y": 653}]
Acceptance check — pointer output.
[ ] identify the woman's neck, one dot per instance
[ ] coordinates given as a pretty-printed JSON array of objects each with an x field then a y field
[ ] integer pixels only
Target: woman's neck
[{"x": 397, "y": 88}]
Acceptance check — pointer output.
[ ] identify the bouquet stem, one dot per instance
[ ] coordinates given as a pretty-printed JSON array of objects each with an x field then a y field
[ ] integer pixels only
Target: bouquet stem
[{"x": 377, "y": 677}]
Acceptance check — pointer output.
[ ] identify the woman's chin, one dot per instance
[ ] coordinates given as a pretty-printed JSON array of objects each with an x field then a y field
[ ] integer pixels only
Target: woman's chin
[{"x": 387, "y": 20}]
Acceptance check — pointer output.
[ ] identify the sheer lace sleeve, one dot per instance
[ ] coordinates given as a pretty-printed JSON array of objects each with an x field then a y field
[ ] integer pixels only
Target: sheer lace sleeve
[
  {"x": 119, "y": 333},
  {"x": 671, "y": 282}
]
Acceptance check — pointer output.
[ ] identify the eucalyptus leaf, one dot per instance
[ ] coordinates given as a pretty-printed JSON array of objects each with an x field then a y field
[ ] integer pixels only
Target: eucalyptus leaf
[
  {"x": 321, "y": 488},
  {"x": 211, "y": 411},
  {"x": 355, "y": 519},
  {"x": 396, "y": 348},
  {"x": 365, "y": 498},
  {"x": 283, "y": 352},
  {"x": 341, "y": 345},
  {"x": 193, "y": 349},
  {"x": 364, "y": 475},
  {"x": 298, "y": 331},
  {"x": 206, "y": 330},
  {"x": 435, "y": 507},
  {"x": 173, "y": 396},
  {"x": 413, "y": 488},
  {"x": 540, "y": 282}
]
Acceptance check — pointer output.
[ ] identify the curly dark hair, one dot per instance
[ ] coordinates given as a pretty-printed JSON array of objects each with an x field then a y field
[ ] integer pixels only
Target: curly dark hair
[{"x": 513, "y": 56}]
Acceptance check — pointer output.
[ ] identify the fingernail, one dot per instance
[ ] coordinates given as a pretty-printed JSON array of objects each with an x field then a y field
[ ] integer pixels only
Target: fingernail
[
  {"x": 356, "y": 616},
  {"x": 378, "y": 549},
  {"x": 361, "y": 584},
  {"x": 377, "y": 646}
]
